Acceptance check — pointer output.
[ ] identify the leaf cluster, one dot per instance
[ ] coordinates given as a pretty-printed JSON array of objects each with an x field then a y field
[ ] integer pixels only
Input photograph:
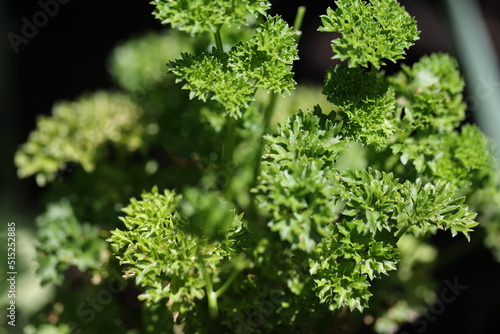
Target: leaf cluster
[
  {"x": 75, "y": 131},
  {"x": 372, "y": 31},
  {"x": 344, "y": 263},
  {"x": 199, "y": 16},
  {"x": 431, "y": 93},
  {"x": 160, "y": 252},
  {"x": 63, "y": 241},
  {"x": 366, "y": 102},
  {"x": 295, "y": 183},
  {"x": 362, "y": 214},
  {"x": 376, "y": 201},
  {"x": 265, "y": 61},
  {"x": 458, "y": 158}
]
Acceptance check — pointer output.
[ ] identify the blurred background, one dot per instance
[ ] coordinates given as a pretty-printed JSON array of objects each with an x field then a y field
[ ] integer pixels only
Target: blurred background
[{"x": 67, "y": 57}]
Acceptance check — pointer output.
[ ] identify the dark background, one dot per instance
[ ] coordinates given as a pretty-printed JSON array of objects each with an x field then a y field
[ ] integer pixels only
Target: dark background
[{"x": 67, "y": 57}]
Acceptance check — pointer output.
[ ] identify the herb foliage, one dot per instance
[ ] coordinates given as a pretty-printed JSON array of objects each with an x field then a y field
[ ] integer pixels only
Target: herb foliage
[{"x": 224, "y": 216}]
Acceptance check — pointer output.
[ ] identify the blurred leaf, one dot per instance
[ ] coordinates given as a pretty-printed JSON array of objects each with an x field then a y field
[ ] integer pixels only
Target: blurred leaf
[
  {"x": 75, "y": 132},
  {"x": 63, "y": 241}
]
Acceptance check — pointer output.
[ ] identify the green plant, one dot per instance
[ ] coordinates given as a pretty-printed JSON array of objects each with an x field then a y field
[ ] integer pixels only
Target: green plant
[{"x": 243, "y": 226}]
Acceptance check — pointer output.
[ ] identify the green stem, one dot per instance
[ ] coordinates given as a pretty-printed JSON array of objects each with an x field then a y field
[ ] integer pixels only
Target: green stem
[
  {"x": 403, "y": 231},
  {"x": 218, "y": 39},
  {"x": 226, "y": 284},
  {"x": 299, "y": 19},
  {"x": 228, "y": 145},
  {"x": 268, "y": 114},
  {"x": 228, "y": 148},
  {"x": 213, "y": 306}
]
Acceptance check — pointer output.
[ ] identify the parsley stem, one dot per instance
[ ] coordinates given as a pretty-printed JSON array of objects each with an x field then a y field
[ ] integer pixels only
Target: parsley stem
[
  {"x": 228, "y": 147},
  {"x": 226, "y": 284},
  {"x": 213, "y": 306},
  {"x": 299, "y": 19},
  {"x": 218, "y": 39},
  {"x": 228, "y": 144},
  {"x": 268, "y": 114},
  {"x": 403, "y": 231}
]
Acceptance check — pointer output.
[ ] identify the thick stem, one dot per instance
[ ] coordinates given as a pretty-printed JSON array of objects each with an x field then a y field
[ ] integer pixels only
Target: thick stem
[
  {"x": 213, "y": 306},
  {"x": 218, "y": 39},
  {"x": 212, "y": 296},
  {"x": 299, "y": 18},
  {"x": 268, "y": 114}
]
